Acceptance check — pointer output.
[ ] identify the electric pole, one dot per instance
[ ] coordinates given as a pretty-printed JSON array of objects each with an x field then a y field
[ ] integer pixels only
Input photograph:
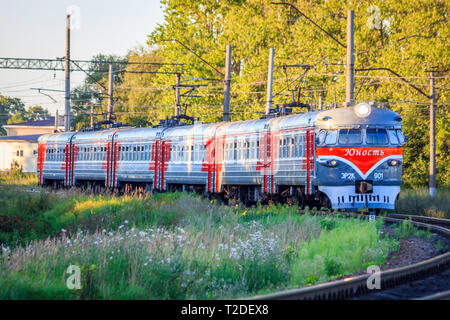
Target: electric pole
[
  {"x": 350, "y": 60},
  {"x": 177, "y": 110},
  {"x": 67, "y": 69},
  {"x": 110, "y": 92},
  {"x": 432, "y": 136},
  {"x": 270, "y": 81},
  {"x": 227, "y": 83},
  {"x": 56, "y": 121},
  {"x": 92, "y": 115}
]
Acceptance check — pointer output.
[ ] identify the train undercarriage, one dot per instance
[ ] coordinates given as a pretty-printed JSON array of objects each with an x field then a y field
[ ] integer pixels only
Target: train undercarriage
[{"x": 247, "y": 195}]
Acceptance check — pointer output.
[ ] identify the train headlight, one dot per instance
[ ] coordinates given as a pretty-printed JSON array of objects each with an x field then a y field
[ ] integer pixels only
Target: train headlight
[
  {"x": 363, "y": 109},
  {"x": 332, "y": 163},
  {"x": 394, "y": 162}
]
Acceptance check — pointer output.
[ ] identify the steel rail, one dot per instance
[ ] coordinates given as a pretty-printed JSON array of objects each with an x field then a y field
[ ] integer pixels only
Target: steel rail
[
  {"x": 430, "y": 220},
  {"x": 355, "y": 286}
]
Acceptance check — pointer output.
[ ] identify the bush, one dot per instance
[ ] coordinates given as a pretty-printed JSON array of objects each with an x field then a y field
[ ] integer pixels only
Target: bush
[{"x": 419, "y": 202}]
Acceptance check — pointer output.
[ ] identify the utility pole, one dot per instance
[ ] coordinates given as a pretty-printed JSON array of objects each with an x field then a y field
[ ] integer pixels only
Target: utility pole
[
  {"x": 432, "y": 136},
  {"x": 350, "y": 60},
  {"x": 56, "y": 121},
  {"x": 67, "y": 69},
  {"x": 177, "y": 110},
  {"x": 270, "y": 81},
  {"x": 227, "y": 83},
  {"x": 110, "y": 92},
  {"x": 320, "y": 102},
  {"x": 92, "y": 115}
]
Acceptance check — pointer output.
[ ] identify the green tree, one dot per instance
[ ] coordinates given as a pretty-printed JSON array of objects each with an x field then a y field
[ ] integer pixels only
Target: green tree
[
  {"x": 140, "y": 96},
  {"x": 403, "y": 36},
  {"x": 36, "y": 113},
  {"x": 10, "y": 107}
]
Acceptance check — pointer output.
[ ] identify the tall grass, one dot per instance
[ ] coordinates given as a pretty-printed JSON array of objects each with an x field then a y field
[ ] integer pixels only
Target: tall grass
[
  {"x": 346, "y": 247},
  {"x": 172, "y": 246},
  {"x": 17, "y": 178},
  {"x": 419, "y": 202}
]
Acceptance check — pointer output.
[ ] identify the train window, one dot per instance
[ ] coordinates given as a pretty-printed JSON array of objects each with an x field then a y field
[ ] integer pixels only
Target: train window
[
  {"x": 400, "y": 136},
  {"x": 376, "y": 136},
  {"x": 321, "y": 137},
  {"x": 331, "y": 137},
  {"x": 293, "y": 151},
  {"x": 393, "y": 137},
  {"x": 327, "y": 137},
  {"x": 350, "y": 136}
]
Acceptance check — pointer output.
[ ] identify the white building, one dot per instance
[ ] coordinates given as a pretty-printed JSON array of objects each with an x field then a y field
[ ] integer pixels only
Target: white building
[{"x": 21, "y": 143}]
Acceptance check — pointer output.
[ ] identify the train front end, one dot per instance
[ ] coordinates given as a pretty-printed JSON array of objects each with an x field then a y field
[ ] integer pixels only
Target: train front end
[{"x": 359, "y": 157}]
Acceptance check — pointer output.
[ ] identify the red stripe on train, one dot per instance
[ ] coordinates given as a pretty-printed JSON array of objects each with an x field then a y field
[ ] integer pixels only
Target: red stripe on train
[{"x": 363, "y": 158}]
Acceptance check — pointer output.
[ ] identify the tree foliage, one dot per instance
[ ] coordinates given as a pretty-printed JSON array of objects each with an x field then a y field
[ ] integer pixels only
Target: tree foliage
[
  {"x": 408, "y": 37},
  {"x": 12, "y": 110}
]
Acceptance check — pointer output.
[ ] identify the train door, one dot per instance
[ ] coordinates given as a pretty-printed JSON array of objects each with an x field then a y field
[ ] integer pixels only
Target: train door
[
  {"x": 115, "y": 155},
  {"x": 164, "y": 162},
  {"x": 72, "y": 161},
  {"x": 154, "y": 161},
  {"x": 208, "y": 164},
  {"x": 67, "y": 164},
  {"x": 218, "y": 158},
  {"x": 265, "y": 143},
  {"x": 109, "y": 166},
  {"x": 42, "y": 149},
  {"x": 309, "y": 159}
]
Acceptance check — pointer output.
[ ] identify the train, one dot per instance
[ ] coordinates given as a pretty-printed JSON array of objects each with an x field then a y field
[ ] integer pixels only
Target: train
[{"x": 343, "y": 158}]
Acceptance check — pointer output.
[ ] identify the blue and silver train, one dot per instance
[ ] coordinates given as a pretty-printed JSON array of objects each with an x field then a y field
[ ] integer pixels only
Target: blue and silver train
[{"x": 344, "y": 158}]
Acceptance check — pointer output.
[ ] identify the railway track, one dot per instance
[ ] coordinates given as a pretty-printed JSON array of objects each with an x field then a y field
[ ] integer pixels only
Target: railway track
[{"x": 357, "y": 286}]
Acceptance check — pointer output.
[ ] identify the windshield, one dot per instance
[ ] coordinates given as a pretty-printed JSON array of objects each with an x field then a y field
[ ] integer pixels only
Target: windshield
[
  {"x": 401, "y": 138},
  {"x": 350, "y": 136},
  {"x": 393, "y": 137},
  {"x": 376, "y": 136},
  {"x": 327, "y": 137}
]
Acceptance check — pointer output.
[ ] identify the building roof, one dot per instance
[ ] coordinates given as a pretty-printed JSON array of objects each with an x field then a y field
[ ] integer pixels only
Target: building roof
[
  {"x": 31, "y": 138},
  {"x": 49, "y": 122}
]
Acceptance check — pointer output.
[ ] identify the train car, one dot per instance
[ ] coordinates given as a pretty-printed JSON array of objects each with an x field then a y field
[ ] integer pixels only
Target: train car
[
  {"x": 92, "y": 158},
  {"x": 186, "y": 157},
  {"x": 136, "y": 158},
  {"x": 54, "y": 160},
  {"x": 345, "y": 158},
  {"x": 359, "y": 157}
]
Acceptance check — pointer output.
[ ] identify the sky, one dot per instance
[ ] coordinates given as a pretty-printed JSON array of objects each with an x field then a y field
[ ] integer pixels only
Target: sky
[{"x": 36, "y": 29}]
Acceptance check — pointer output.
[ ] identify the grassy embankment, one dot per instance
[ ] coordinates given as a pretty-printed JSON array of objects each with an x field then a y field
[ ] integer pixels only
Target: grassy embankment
[{"x": 172, "y": 246}]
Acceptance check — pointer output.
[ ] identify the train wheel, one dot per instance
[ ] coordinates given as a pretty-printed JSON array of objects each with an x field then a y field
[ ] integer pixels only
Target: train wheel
[
  {"x": 301, "y": 201},
  {"x": 324, "y": 201}
]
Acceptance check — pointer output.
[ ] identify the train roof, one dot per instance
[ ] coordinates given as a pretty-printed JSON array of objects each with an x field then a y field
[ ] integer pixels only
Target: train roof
[
  {"x": 295, "y": 120},
  {"x": 137, "y": 134},
  {"x": 61, "y": 137},
  {"x": 347, "y": 117},
  {"x": 96, "y": 135},
  {"x": 195, "y": 130}
]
